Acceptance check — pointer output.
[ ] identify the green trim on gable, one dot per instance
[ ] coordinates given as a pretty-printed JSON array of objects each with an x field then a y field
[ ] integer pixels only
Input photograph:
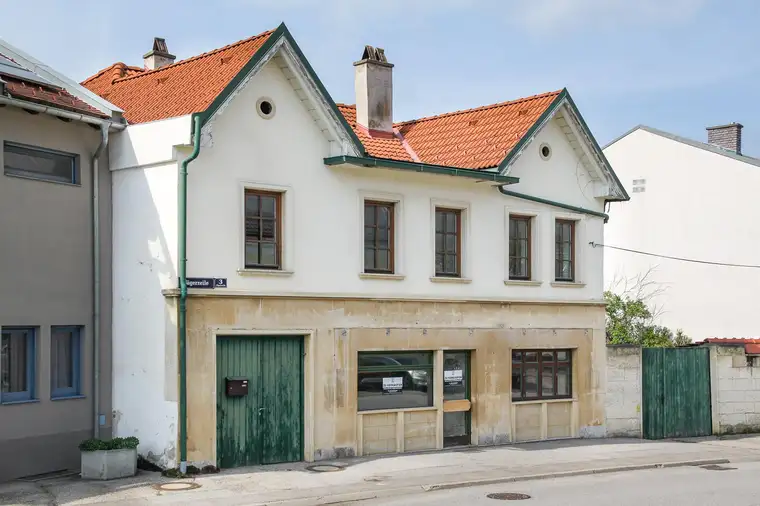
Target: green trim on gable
[
  {"x": 421, "y": 167},
  {"x": 554, "y": 203},
  {"x": 281, "y": 31}
]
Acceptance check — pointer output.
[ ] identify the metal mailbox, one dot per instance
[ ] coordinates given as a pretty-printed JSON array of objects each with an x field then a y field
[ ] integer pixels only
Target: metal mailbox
[{"x": 236, "y": 387}]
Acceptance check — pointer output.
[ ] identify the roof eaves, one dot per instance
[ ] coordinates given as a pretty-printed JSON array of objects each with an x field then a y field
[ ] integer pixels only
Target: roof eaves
[
  {"x": 421, "y": 167},
  {"x": 689, "y": 142}
]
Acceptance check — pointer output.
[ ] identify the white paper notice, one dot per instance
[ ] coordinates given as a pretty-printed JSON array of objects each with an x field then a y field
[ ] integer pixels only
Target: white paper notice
[
  {"x": 393, "y": 385},
  {"x": 453, "y": 377}
]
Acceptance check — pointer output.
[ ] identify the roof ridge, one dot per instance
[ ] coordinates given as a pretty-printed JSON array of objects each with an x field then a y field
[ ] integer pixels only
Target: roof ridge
[
  {"x": 480, "y": 108},
  {"x": 106, "y": 69},
  {"x": 196, "y": 57}
]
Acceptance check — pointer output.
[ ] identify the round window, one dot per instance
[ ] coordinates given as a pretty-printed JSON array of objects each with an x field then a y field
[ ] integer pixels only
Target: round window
[
  {"x": 546, "y": 151},
  {"x": 265, "y": 108}
]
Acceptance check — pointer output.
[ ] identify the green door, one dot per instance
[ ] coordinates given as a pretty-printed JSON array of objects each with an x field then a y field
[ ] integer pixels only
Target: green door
[
  {"x": 265, "y": 425},
  {"x": 676, "y": 392}
]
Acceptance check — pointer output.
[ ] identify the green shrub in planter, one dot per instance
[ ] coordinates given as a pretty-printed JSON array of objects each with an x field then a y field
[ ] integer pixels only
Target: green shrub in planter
[
  {"x": 117, "y": 443},
  {"x": 109, "y": 459}
]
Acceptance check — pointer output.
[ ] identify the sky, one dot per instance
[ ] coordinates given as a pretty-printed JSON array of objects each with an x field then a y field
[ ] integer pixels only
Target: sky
[{"x": 676, "y": 65}]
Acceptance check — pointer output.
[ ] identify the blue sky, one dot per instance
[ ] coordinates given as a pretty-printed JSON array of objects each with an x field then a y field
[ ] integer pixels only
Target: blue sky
[{"x": 677, "y": 65}]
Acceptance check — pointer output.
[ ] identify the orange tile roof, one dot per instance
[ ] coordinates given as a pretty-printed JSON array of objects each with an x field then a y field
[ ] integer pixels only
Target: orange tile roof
[
  {"x": 751, "y": 346},
  {"x": 184, "y": 87},
  {"x": 391, "y": 148}
]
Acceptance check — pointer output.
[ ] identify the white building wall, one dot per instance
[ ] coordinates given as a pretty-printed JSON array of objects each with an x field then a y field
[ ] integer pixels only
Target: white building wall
[
  {"x": 698, "y": 205},
  {"x": 623, "y": 396}
]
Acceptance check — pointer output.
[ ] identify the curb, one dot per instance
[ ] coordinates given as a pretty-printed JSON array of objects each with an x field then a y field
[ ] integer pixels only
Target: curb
[{"x": 566, "y": 474}]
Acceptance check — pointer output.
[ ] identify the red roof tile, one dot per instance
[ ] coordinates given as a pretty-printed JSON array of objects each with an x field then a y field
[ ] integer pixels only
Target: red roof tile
[
  {"x": 184, "y": 87},
  {"x": 48, "y": 95},
  {"x": 391, "y": 148},
  {"x": 751, "y": 346}
]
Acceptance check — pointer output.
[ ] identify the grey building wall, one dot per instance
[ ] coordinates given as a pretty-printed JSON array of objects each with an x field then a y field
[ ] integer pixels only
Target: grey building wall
[{"x": 46, "y": 260}]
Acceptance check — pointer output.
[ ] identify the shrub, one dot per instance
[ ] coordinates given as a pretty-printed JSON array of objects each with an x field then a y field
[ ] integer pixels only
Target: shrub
[{"x": 117, "y": 443}]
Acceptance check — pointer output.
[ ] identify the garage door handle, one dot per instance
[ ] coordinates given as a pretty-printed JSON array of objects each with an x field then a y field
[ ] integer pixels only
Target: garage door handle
[{"x": 261, "y": 411}]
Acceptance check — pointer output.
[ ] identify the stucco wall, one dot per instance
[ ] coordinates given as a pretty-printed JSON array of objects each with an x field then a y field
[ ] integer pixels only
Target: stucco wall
[
  {"x": 623, "y": 395},
  {"x": 737, "y": 405}
]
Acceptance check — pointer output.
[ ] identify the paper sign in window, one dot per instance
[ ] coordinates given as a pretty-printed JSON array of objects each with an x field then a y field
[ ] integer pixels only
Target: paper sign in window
[
  {"x": 454, "y": 377},
  {"x": 393, "y": 385}
]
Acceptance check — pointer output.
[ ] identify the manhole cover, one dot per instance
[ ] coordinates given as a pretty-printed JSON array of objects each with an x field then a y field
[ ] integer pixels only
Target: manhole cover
[
  {"x": 716, "y": 467},
  {"x": 324, "y": 468},
  {"x": 177, "y": 486},
  {"x": 508, "y": 496}
]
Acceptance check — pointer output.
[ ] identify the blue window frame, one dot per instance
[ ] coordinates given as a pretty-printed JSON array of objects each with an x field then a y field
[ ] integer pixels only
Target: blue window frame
[
  {"x": 32, "y": 162},
  {"x": 65, "y": 361},
  {"x": 17, "y": 364}
]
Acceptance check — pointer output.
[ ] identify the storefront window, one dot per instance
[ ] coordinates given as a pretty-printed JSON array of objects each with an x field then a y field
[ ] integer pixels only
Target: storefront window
[
  {"x": 541, "y": 374},
  {"x": 395, "y": 380}
]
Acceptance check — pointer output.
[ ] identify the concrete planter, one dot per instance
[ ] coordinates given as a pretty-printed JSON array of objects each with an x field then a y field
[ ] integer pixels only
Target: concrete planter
[{"x": 109, "y": 464}]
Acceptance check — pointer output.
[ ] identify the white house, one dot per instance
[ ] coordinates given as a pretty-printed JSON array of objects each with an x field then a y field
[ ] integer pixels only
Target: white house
[
  {"x": 693, "y": 201},
  {"x": 355, "y": 285}
]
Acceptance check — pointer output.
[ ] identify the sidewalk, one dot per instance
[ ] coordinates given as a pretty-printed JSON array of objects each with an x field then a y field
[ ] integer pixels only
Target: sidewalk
[{"x": 366, "y": 478}]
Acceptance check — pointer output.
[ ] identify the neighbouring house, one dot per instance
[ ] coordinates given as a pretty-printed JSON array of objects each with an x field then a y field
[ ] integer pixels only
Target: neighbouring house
[
  {"x": 694, "y": 201},
  {"x": 296, "y": 279},
  {"x": 55, "y": 300}
]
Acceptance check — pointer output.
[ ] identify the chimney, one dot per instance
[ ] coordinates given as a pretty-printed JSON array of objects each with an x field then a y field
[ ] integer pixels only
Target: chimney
[
  {"x": 726, "y": 136},
  {"x": 159, "y": 56},
  {"x": 373, "y": 82}
]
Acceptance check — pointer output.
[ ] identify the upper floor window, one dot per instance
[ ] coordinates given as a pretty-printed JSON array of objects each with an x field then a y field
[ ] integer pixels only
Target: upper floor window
[
  {"x": 378, "y": 237},
  {"x": 17, "y": 361},
  {"x": 37, "y": 163},
  {"x": 448, "y": 242},
  {"x": 65, "y": 358},
  {"x": 519, "y": 247},
  {"x": 263, "y": 230},
  {"x": 564, "y": 250}
]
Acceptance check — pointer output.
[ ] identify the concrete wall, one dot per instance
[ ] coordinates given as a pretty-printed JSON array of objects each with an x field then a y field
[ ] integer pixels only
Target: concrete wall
[
  {"x": 623, "y": 395},
  {"x": 716, "y": 198},
  {"x": 47, "y": 280},
  {"x": 736, "y": 393}
]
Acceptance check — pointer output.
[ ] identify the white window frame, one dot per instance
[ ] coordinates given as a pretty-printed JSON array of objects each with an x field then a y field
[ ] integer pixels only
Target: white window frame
[
  {"x": 579, "y": 271},
  {"x": 399, "y": 245},
  {"x": 288, "y": 229},
  {"x": 536, "y": 246},
  {"x": 466, "y": 268}
]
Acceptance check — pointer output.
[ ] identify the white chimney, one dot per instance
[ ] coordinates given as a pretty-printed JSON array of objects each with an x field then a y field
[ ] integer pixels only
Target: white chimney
[
  {"x": 159, "y": 56},
  {"x": 373, "y": 82}
]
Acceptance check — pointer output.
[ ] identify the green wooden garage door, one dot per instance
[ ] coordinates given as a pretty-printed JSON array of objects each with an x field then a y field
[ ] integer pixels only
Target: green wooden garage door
[
  {"x": 266, "y": 425},
  {"x": 676, "y": 392}
]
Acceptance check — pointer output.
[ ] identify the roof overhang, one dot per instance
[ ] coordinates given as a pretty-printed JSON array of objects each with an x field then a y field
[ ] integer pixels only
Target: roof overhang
[
  {"x": 479, "y": 175},
  {"x": 62, "y": 113}
]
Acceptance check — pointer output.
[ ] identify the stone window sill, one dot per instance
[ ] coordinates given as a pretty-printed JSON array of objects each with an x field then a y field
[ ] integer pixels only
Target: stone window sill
[
  {"x": 522, "y": 282},
  {"x": 545, "y": 401},
  {"x": 67, "y": 397},
  {"x": 381, "y": 275},
  {"x": 567, "y": 284},
  {"x": 265, "y": 272},
  {"x": 26, "y": 401},
  {"x": 444, "y": 279}
]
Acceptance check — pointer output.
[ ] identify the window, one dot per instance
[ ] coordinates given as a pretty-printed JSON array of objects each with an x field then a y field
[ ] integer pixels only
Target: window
[
  {"x": 263, "y": 230},
  {"x": 395, "y": 380},
  {"x": 378, "y": 237},
  {"x": 17, "y": 362},
  {"x": 38, "y": 163},
  {"x": 519, "y": 247},
  {"x": 65, "y": 356},
  {"x": 448, "y": 242},
  {"x": 564, "y": 250},
  {"x": 541, "y": 374}
]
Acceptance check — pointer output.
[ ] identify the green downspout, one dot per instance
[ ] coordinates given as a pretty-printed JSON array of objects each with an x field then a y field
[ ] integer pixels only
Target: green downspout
[{"x": 182, "y": 247}]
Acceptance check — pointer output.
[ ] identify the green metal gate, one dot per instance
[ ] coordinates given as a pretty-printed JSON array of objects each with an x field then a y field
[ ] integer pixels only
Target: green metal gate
[
  {"x": 264, "y": 426},
  {"x": 676, "y": 392}
]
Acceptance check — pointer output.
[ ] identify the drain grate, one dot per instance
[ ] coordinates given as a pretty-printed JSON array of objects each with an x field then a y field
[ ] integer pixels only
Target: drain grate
[
  {"x": 716, "y": 467},
  {"x": 324, "y": 468},
  {"x": 177, "y": 486},
  {"x": 508, "y": 496}
]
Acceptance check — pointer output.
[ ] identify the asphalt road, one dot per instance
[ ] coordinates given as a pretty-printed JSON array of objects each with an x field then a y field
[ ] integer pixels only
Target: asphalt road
[{"x": 684, "y": 486}]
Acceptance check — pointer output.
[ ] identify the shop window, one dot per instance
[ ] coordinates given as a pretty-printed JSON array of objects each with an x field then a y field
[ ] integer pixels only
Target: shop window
[
  {"x": 541, "y": 374},
  {"x": 395, "y": 380}
]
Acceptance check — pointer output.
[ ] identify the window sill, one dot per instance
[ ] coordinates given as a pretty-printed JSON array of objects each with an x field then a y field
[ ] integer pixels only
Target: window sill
[
  {"x": 381, "y": 275},
  {"x": 41, "y": 179},
  {"x": 567, "y": 284},
  {"x": 522, "y": 282},
  {"x": 444, "y": 279},
  {"x": 546, "y": 401},
  {"x": 67, "y": 397},
  {"x": 396, "y": 410},
  {"x": 265, "y": 272},
  {"x": 10, "y": 403}
]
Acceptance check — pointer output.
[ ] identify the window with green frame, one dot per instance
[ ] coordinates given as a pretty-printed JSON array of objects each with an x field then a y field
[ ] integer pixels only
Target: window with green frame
[{"x": 395, "y": 380}]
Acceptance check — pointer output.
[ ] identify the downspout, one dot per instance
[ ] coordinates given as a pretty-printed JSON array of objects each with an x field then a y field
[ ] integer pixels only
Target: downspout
[
  {"x": 182, "y": 278},
  {"x": 96, "y": 276}
]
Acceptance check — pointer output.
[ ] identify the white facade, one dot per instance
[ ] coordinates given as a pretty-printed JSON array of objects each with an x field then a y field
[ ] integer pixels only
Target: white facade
[
  {"x": 696, "y": 204},
  {"x": 322, "y": 233}
]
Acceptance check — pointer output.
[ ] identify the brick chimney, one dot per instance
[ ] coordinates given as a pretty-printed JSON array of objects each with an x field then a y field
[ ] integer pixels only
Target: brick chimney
[
  {"x": 373, "y": 82},
  {"x": 159, "y": 56},
  {"x": 726, "y": 136}
]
